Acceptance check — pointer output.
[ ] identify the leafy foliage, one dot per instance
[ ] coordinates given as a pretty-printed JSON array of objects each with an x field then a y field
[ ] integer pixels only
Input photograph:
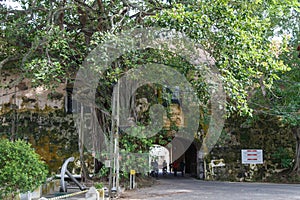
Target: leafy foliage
[
  {"x": 59, "y": 35},
  {"x": 283, "y": 157},
  {"x": 237, "y": 35},
  {"x": 21, "y": 169},
  {"x": 98, "y": 185}
]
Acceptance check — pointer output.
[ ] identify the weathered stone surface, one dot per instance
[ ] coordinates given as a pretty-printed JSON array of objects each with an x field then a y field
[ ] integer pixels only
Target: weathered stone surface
[
  {"x": 265, "y": 133},
  {"x": 52, "y": 134},
  {"x": 23, "y": 96}
]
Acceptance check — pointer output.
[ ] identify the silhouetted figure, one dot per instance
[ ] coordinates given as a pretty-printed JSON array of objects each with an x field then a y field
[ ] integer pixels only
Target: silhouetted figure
[
  {"x": 175, "y": 167},
  {"x": 171, "y": 167},
  {"x": 154, "y": 172},
  {"x": 182, "y": 165},
  {"x": 165, "y": 166}
]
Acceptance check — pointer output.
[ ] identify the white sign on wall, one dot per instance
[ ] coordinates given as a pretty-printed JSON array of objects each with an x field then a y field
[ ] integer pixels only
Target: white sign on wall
[{"x": 252, "y": 156}]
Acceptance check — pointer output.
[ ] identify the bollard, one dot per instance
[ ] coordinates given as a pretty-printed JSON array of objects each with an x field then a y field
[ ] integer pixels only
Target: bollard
[
  {"x": 201, "y": 169},
  {"x": 132, "y": 179}
]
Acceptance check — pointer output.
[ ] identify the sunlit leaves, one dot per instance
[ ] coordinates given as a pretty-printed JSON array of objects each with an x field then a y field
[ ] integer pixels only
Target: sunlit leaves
[
  {"x": 21, "y": 169},
  {"x": 237, "y": 34}
]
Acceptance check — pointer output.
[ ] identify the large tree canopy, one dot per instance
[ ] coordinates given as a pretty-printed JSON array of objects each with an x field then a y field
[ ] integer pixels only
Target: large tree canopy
[
  {"x": 282, "y": 100},
  {"x": 238, "y": 36},
  {"x": 48, "y": 40}
]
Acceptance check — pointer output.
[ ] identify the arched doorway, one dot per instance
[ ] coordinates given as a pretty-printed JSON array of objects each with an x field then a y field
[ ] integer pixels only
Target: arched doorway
[
  {"x": 159, "y": 153},
  {"x": 191, "y": 160}
]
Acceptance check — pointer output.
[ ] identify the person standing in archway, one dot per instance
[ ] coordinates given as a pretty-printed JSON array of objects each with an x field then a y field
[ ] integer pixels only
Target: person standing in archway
[
  {"x": 182, "y": 165},
  {"x": 165, "y": 166},
  {"x": 175, "y": 167}
]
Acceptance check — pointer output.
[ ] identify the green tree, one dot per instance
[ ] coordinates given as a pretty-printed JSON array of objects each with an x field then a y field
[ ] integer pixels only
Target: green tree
[
  {"x": 21, "y": 169},
  {"x": 53, "y": 38},
  {"x": 237, "y": 35},
  {"x": 59, "y": 35},
  {"x": 47, "y": 41},
  {"x": 282, "y": 100}
]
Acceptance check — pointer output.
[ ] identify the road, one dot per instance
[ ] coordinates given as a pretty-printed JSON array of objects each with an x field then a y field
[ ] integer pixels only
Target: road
[{"x": 189, "y": 188}]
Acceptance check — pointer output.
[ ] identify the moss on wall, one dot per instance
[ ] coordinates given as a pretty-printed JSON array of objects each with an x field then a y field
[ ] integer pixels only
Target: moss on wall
[
  {"x": 51, "y": 132},
  {"x": 263, "y": 132}
]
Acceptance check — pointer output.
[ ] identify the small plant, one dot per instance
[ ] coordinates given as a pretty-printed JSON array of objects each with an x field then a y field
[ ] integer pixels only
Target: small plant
[
  {"x": 98, "y": 185},
  {"x": 103, "y": 172},
  {"x": 283, "y": 157},
  {"x": 21, "y": 169}
]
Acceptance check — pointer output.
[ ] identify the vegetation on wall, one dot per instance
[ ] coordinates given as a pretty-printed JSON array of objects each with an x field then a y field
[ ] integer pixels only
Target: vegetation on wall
[{"x": 52, "y": 134}]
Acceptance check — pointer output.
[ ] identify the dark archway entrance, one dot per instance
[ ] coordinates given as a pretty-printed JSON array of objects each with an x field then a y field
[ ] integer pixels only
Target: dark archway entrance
[{"x": 191, "y": 160}]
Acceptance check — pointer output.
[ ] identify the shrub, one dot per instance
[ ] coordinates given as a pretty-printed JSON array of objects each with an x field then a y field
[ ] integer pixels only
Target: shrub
[
  {"x": 284, "y": 157},
  {"x": 21, "y": 169},
  {"x": 98, "y": 185}
]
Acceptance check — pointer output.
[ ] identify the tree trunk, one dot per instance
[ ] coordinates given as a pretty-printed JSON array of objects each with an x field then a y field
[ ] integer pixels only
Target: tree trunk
[
  {"x": 61, "y": 16},
  {"x": 296, "y": 131},
  {"x": 84, "y": 171}
]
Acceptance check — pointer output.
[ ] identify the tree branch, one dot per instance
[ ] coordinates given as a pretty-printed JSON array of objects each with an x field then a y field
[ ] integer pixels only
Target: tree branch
[{"x": 8, "y": 59}]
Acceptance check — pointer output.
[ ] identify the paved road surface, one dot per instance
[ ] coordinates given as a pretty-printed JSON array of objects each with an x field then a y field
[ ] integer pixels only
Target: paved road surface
[
  {"x": 192, "y": 189},
  {"x": 169, "y": 188}
]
